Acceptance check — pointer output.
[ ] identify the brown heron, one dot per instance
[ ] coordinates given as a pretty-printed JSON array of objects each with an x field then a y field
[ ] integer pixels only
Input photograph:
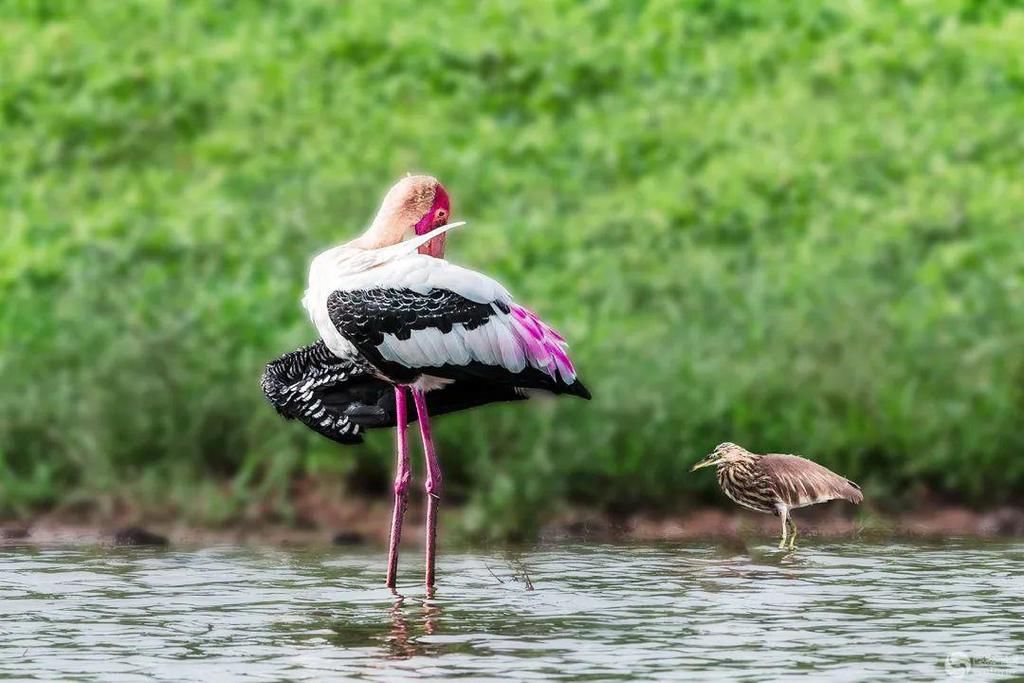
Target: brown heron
[{"x": 776, "y": 483}]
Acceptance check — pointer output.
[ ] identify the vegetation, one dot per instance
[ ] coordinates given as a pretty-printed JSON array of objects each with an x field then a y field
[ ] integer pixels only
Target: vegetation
[{"x": 796, "y": 226}]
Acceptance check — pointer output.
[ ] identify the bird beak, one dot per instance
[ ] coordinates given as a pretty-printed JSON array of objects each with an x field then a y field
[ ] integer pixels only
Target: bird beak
[
  {"x": 706, "y": 462},
  {"x": 434, "y": 247},
  {"x": 437, "y": 217}
]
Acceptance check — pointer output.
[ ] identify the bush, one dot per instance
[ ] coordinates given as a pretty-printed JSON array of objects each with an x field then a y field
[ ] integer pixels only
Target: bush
[{"x": 791, "y": 225}]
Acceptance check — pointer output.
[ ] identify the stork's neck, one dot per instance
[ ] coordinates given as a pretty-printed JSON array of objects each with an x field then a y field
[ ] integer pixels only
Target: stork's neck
[
  {"x": 390, "y": 226},
  {"x": 383, "y": 232}
]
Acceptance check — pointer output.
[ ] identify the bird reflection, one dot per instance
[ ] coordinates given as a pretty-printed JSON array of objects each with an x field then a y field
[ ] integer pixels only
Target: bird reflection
[
  {"x": 431, "y": 615},
  {"x": 402, "y": 640},
  {"x": 398, "y": 642}
]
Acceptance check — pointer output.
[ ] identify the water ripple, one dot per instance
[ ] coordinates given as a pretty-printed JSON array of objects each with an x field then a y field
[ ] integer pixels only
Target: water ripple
[{"x": 581, "y": 612}]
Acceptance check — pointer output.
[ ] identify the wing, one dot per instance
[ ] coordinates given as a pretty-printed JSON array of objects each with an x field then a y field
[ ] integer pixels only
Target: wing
[
  {"x": 451, "y": 398},
  {"x": 340, "y": 398},
  {"x": 316, "y": 387},
  {"x": 801, "y": 482},
  {"x": 445, "y": 321}
]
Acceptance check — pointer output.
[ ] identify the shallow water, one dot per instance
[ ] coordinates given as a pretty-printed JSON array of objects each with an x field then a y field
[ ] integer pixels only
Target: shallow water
[{"x": 573, "y": 612}]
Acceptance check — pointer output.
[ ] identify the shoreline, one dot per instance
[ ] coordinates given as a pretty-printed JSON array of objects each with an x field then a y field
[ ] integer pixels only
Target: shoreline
[{"x": 361, "y": 522}]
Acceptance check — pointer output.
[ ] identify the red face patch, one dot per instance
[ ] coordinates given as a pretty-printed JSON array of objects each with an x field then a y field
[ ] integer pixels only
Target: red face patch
[{"x": 440, "y": 212}]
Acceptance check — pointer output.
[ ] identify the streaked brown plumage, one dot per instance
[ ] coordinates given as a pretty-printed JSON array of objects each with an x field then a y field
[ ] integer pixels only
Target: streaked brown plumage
[{"x": 777, "y": 483}]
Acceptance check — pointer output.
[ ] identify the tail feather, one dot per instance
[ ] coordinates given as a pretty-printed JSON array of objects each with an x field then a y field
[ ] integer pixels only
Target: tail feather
[
  {"x": 854, "y": 493},
  {"x": 577, "y": 388}
]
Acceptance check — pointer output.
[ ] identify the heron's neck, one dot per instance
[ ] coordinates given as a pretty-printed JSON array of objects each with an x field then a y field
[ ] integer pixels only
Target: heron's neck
[{"x": 742, "y": 462}]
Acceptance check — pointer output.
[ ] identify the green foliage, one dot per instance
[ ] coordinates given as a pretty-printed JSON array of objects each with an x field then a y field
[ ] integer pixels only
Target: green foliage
[{"x": 792, "y": 225}]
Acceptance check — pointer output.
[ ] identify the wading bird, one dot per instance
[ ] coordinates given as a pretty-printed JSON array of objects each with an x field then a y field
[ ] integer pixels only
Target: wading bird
[
  {"x": 776, "y": 483},
  {"x": 395, "y": 308}
]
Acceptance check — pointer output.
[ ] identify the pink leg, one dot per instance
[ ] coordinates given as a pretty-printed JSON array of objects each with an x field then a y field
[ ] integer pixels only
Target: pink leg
[
  {"x": 433, "y": 481},
  {"x": 402, "y": 476}
]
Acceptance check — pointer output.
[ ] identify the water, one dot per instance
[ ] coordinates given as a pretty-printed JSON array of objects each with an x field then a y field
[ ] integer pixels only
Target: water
[{"x": 574, "y": 612}]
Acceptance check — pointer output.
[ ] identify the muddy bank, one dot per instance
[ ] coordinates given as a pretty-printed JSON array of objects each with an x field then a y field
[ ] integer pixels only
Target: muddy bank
[
  {"x": 365, "y": 522},
  {"x": 823, "y": 522}
]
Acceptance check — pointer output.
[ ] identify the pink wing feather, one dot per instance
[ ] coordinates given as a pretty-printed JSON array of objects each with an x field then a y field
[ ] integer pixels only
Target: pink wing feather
[{"x": 545, "y": 348}]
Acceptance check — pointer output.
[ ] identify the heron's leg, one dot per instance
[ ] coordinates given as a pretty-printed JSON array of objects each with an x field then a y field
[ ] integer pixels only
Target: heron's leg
[
  {"x": 402, "y": 476},
  {"x": 433, "y": 484},
  {"x": 792, "y": 532},
  {"x": 784, "y": 514}
]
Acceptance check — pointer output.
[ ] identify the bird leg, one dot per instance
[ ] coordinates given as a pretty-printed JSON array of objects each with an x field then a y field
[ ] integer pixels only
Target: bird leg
[
  {"x": 784, "y": 513},
  {"x": 792, "y": 532},
  {"x": 402, "y": 476},
  {"x": 433, "y": 485}
]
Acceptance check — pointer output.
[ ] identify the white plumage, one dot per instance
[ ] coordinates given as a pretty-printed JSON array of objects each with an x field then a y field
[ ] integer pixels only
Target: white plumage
[
  {"x": 493, "y": 343},
  {"x": 503, "y": 340}
]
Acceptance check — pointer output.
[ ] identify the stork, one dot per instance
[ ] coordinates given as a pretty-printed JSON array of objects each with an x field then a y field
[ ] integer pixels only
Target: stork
[{"x": 423, "y": 325}]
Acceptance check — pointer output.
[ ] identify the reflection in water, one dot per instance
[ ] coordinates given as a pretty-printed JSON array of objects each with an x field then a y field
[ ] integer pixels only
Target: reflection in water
[
  {"x": 570, "y": 612},
  {"x": 401, "y": 641},
  {"x": 398, "y": 642},
  {"x": 431, "y": 612}
]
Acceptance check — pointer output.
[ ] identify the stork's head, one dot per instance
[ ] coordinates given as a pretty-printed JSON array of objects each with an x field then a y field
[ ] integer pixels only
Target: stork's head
[
  {"x": 724, "y": 453},
  {"x": 415, "y": 204}
]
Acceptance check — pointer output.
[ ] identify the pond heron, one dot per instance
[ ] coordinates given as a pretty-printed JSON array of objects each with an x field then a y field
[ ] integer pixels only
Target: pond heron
[{"x": 776, "y": 483}]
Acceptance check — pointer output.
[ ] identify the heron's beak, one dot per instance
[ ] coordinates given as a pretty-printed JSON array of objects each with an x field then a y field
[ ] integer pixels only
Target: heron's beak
[{"x": 706, "y": 462}]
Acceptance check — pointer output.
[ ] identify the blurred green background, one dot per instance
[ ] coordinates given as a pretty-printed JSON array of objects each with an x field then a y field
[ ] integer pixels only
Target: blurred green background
[{"x": 796, "y": 226}]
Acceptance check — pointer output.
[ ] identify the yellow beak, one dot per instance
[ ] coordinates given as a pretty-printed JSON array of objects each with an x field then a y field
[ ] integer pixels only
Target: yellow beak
[{"x": 706, "y": 462}]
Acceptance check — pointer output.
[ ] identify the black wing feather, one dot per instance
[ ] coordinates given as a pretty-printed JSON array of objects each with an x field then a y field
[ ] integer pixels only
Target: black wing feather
[
  {"x": 314, "y": 386},
  {"x": 364, "y": 316},
  {"x": 340, "y": 398},
  {"x": 368, "y": 314}
]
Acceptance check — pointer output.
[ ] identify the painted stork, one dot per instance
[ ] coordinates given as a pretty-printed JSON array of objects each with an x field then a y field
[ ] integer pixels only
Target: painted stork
[{"x": 388, "y": 303}]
